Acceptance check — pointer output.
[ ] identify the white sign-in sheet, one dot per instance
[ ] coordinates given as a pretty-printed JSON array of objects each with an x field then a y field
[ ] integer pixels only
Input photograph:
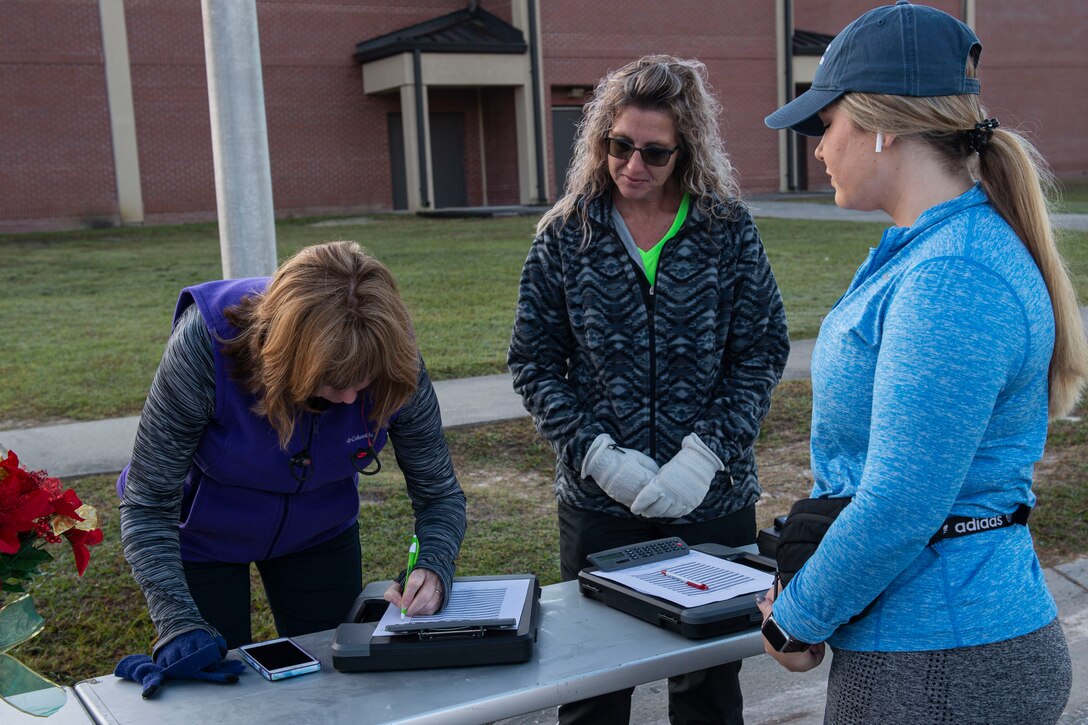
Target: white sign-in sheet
[
  {"x": 470, "y": 601},
  {"x": 681, "y": 579}
]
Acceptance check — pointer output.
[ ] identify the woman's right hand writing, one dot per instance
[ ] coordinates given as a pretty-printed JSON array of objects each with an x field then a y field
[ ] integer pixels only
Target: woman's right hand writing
[{"x": 422, "y": 593}]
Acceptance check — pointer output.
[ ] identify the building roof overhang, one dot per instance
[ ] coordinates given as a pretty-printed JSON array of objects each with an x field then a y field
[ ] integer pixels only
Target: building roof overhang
[
  {"x": 470, "y": 30},
  {"x": 807, "y": 42}
]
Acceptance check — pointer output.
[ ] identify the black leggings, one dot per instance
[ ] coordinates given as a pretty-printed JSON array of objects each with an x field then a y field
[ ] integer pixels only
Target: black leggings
[{"x": 308, "y": 591}]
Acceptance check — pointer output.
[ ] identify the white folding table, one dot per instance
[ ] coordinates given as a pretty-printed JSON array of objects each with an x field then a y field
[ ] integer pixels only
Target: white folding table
[
  {"x": 72, "y": 713},
  {"x": 583, "y": 649}
]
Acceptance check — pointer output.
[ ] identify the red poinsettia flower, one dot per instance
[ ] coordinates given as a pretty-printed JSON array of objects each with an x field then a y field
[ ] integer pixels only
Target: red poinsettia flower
[
  {"x": 80, "y": 540},
  {"x": 22, "y": 501},
  {"x": 36, "y": 511},
  {"x": 67, "y": 504}
]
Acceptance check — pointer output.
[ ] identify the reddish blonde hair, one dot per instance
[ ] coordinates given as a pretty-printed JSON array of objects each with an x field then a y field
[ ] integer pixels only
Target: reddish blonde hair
[{"x": 331, "y": 315}]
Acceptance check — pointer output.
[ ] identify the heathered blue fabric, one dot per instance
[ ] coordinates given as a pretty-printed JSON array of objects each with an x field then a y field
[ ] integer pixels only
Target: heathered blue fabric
[{"x": 929, "y": 381}]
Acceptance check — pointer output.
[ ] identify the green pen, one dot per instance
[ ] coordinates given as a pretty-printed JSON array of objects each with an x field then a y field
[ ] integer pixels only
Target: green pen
[{"x": 413, "y": 554}]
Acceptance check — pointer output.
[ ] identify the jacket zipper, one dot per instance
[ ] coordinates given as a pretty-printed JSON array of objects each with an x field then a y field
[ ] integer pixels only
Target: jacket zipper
[
  {"x": 311, "y": 431},
  {"x": 650, "y": 301},
  {"x": 286, "y": 501},
  {"x": 651, "y": 304}
]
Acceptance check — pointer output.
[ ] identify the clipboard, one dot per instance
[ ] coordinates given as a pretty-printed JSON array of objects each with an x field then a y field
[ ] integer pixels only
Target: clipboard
[
  {"x": 707, "y": 620},
  {"x": 424, "y": 645}
]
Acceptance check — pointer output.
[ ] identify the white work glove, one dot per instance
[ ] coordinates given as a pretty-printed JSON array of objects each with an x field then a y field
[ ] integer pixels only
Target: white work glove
[
  {"x": 682, "y": 483},
  {"x": 620, "y": 472}
]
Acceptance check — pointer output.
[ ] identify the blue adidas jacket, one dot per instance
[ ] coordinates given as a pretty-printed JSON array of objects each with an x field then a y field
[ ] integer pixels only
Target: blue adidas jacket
[{"x": 929, "y": 386}]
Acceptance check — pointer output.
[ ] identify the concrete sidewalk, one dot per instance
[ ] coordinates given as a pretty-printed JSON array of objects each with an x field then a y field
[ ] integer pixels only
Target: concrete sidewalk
[
  {"x": 774, "y": 206},
  {"x": 104, "y": 446}
]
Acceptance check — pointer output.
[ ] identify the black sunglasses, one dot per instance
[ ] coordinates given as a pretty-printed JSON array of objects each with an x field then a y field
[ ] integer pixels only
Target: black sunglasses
[{"x": 651, "y": 155}]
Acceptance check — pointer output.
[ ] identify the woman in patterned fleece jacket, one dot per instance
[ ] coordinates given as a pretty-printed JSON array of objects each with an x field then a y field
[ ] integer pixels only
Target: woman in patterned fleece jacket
[{"x": 649, "y": 335}]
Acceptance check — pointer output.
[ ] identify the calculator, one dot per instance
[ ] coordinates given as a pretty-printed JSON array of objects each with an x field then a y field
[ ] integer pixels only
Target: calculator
[{"x": 645, "y": 553}]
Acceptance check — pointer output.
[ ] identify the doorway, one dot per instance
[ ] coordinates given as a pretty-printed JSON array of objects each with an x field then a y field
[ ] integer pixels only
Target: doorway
[
  {"x": 447, "y": 160},
  {"x": 565, "y": 121}
]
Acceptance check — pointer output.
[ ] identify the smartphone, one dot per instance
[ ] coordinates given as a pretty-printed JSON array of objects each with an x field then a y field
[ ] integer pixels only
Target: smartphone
[{"x": 279, "y": 658}]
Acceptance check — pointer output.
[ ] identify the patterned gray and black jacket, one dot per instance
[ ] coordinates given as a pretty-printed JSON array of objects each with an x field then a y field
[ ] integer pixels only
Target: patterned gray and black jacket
[{"x": 595, "y": 349}]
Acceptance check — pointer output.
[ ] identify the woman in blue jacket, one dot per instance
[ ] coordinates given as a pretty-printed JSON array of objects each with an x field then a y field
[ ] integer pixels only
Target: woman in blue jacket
[
  {"x": 272, "y": 396},
  {"x": 933, "y": 379}
]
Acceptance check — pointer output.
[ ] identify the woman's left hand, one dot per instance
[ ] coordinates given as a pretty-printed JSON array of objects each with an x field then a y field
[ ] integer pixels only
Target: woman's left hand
[
  {"x": 792, "y": 661},
  {"x": 422, "y": 593}
]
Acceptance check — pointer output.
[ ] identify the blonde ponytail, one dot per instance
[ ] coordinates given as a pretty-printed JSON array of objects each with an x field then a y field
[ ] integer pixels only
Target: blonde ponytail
[
  {"x": 1015, "y": 177},
  {"x": 1016, "y": 180}
]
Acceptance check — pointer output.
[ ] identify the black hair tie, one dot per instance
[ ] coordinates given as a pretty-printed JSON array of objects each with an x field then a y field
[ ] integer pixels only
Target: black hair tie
[{"x": 978, "y": 138}]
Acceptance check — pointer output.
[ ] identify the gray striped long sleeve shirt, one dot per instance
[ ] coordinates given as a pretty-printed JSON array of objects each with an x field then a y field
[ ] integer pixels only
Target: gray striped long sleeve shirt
[{"x": 180, "y": 404}]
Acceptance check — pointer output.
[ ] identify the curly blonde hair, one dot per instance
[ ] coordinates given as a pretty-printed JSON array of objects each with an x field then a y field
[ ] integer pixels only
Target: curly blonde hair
[
  {"x": 658, "y": 83},
  {"x": 331, "y": 315}
]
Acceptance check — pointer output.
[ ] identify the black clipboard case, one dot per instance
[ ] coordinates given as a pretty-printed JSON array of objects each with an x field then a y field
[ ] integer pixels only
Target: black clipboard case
[
  {"x": 708, "y": 620},
  {"x": 355, "y": 649}
]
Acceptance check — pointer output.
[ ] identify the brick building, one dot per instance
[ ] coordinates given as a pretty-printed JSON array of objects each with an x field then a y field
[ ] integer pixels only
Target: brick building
[{"x": 106, "y": 117}]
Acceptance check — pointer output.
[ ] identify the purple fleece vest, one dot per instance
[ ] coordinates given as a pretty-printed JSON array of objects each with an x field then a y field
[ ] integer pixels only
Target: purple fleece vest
[{"x": 242, "y": 502}]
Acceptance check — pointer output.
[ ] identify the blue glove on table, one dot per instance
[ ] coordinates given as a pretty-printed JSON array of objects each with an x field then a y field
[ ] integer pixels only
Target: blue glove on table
[{"x": 194, "y": 655}]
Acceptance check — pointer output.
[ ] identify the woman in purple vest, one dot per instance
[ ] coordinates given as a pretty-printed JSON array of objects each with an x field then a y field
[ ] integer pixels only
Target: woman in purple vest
[{"x": 272, "y": 396}]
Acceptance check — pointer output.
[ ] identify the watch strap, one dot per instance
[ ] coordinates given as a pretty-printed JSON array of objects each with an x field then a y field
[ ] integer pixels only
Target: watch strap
[{"x": 779, "y": 639}]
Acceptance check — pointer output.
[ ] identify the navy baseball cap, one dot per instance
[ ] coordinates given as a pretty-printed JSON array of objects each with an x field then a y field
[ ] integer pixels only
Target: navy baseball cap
[{"x": 899, "y": 50}]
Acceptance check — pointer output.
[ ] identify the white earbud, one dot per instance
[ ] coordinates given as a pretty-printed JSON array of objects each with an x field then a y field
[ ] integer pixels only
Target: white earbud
[{"x": 879, "y": 142}]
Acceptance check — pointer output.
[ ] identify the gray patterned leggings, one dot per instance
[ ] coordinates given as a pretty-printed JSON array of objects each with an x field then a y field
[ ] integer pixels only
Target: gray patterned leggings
[{"x": 1022, "y": 680}]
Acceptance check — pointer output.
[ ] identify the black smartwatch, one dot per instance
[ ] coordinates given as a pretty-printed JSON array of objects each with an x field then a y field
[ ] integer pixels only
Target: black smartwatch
[{"x": 779, "y": 639}]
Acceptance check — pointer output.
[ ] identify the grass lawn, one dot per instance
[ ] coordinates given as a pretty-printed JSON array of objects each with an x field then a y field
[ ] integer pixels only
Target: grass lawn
[
  {"x": 1074, "y": 196},
  {"x": 506, "y": 471},
  {"x": 84, "y": 338},
  {"x": 86, "y": 314}
]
